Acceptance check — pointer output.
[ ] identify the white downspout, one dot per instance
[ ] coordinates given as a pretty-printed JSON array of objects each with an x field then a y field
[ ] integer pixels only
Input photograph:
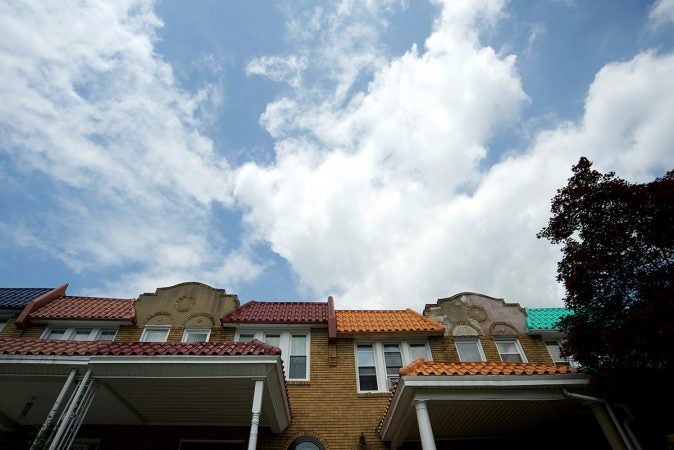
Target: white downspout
[{"x": 616, "y": 423}]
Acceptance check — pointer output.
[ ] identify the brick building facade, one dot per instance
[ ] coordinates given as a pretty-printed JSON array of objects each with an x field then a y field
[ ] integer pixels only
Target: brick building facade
[{"x": 188, "y": 367}]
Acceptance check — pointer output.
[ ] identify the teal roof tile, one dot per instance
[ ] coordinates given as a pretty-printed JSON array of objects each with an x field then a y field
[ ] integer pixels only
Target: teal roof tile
[{"x": 545, "y": 318}]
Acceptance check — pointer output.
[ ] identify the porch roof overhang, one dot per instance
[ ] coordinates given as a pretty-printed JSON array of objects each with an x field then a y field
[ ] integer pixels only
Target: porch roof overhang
[
  {"x": 158, "y": 389},
  {"x": 478, "y": 406}
]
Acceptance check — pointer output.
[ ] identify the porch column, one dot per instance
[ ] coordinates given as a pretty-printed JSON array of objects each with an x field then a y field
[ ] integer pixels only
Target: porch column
[
  {"x": 424, "y": 422},
  {"x": 612, "y": 434},
  {"x": 257, "y": 408}
]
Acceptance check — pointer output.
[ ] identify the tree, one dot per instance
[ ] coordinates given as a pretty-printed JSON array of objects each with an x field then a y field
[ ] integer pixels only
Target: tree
[{"x": 617, "y": 268}]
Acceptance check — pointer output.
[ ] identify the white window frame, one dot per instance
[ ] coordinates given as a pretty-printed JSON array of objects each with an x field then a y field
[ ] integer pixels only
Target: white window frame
[
  {"x": 285, "y": 343},
  {"x": 473, "y": 340},
  {"x": 517, "y": 346},
  {"x": 147, "y": 328},
  {"x": 70, "y": 332},
  {"x": 189, "y": 330},
  {"x": 384, "y": 382}
]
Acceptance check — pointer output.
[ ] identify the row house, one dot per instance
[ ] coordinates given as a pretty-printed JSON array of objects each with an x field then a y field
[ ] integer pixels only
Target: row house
[{"x": 187, "y": 367}]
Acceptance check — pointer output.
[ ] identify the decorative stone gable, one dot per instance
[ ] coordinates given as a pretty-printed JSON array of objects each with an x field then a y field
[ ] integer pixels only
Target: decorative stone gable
[
  {"x": 189, "y": 304},
  {"x": 470, "y": 314}
]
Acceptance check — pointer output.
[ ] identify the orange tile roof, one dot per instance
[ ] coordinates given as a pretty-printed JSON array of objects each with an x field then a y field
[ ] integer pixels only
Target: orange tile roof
[
  {"x": 421, "y": 367},
  {"x": 86, "y": 308},
  {"x": 386, "y": 321}
]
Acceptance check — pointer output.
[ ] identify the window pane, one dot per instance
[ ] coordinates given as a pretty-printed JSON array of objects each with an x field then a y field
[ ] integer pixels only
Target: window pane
[
  {"x": 81, "y": 335},
  {"x": 196, "y": 335},
  {"x": 468, "y": 351},
  {"x": 273, "y": 339},
  {"x": 107, "y": 335},
  {"x": 511, "y": 357},
  {"x": 365, "y": 355},
  {"x": 155, "y": 335},
  {"x": 298, "y": 367},
  {"x": 299, "y": 345},
  {"x": 56, "y": 333},
  {"x": 507, "y": 347},
  {"x": 392, "y": 359},
  {"x": 418, "y": 351},
  {"x": 367, "y": 378},
  {"x": 246, "y": 337}
]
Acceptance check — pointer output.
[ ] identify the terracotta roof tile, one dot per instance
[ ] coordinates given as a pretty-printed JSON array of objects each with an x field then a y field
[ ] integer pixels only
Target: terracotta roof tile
[
  {"x": 108, "y": 348},
  {"x": 86, "y": 308},
  {"x": 386, "y": 321},
  {"x": 421, "y": 367},
  {"x": 278, "y": 312}
]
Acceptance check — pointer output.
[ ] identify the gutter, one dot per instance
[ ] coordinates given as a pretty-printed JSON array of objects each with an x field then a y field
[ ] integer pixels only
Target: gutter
[{"x": 629, "y": 443}]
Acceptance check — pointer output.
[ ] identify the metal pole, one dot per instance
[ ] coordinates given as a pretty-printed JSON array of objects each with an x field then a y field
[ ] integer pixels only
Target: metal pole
[
  {"x": 67, "y": 417},
  {"x": 54, "y": 409}
]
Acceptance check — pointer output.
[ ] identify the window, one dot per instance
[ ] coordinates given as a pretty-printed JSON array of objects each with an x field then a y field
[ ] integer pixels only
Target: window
[
  {"x": 469, "y": 349},
  {"x": 510, "y": 350},
  {"x": 306, "y": 443},
  {"x": 196, "y": 335},
  {"x": 294, "y": 347},
  {"x": 555, "y": 353},
  {"x": 378, "y": 364},
  {"x": 155, "y": 334},
  {"x": 3, "y": 322},
  {"x": 80, "y": 334},
  {"x": 367, "y": 371},
  {"x": 298, "y": 357}
]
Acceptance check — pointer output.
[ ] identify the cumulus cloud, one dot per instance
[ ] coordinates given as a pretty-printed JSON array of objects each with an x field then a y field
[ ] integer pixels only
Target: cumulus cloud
[
  {"x": 89, "y": 103},
  {"x": 662, "y": 13},
  {"x": 282, "y": 69},
  {"x": 382, "y": 200}
]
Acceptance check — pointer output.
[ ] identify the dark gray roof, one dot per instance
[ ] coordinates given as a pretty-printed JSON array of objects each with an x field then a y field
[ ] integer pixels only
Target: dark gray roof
[{"x": 17, "y": 298}]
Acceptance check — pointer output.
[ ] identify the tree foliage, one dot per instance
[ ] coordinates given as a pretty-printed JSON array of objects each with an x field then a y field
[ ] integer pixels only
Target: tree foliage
[{"x": 617, "y": 268}]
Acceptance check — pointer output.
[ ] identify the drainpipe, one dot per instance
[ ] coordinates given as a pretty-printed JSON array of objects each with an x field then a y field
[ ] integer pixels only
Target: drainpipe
[{"x": 600, "y": 414}]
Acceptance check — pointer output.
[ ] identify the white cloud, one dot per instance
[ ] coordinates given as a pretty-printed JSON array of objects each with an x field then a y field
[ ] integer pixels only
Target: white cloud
[
  {"x": 662, "y": 13},
  {"x": 87, "y": 101},
  {"x": 282, "y": 69},
  {"x": 381, "y": 199}
]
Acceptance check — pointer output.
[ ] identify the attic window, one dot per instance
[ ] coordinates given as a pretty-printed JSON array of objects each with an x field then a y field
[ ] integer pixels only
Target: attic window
[
  {"x": 155, "y": 334},
  {"x": 79, "y": 334}
]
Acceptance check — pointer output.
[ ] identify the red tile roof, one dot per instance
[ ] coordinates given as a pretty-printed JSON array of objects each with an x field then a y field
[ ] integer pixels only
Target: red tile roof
[
  {"x": 112, "y": 348},
  {"x": 386, "y": 321},
  {"x": 421, "y": 367},
  {"x": 86, "y": 308},
  {"x": 278, "y": 312}
]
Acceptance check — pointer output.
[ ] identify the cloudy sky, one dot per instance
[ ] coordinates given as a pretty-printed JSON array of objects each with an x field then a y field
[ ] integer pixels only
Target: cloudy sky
[{"x": 387, "y": 153}]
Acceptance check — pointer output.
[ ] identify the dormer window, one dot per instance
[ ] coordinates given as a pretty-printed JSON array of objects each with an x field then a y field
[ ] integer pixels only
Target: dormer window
[
  {"x": 196, "y": 334},
  {"x": 79, "y": 334},
  {"x": 510, "y": 350},
  {"x": 155, "y": 333}
]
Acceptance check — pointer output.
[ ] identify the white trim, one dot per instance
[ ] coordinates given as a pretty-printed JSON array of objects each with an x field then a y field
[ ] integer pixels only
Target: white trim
[
  {"x": 470, "y": 339},
  {"x": 285, "y": 344},
  {"x": 189, "y": 330},
  {"x": 147, "y": 328}
]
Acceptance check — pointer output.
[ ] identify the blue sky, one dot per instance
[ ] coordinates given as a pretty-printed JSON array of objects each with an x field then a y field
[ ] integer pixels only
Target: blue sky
[{"x": 387, "y": 153}]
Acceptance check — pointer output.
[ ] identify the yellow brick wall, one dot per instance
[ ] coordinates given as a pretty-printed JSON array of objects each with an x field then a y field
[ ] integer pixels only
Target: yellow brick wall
[
  {"x": 328, "y": 407},
  {"x": 535, "y": 349},
  {"x": 30, "y": 332}
]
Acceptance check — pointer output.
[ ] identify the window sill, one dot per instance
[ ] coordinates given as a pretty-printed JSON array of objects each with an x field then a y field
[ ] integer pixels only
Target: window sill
[
  {"x": 299, "y": 382},
  {"x": 375, "y": 394}
]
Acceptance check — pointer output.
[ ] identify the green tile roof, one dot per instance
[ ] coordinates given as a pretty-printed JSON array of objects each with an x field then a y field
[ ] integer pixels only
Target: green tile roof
[{"x": 545, "y": 318}]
